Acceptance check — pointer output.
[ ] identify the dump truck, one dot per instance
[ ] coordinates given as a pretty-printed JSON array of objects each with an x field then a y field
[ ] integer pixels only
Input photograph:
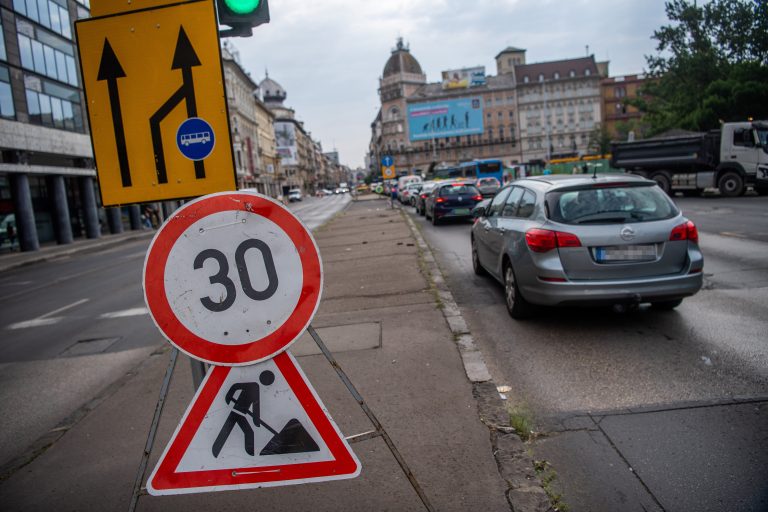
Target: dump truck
[{"x": 730, "y": 159}]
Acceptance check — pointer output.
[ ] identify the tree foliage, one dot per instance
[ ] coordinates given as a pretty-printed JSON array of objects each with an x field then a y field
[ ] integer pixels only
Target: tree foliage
[{"x": 711, "y": 65}]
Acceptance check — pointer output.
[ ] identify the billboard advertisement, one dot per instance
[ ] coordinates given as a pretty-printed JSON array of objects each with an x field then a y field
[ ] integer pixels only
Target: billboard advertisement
[
  {"x": 447, "y": 118},
  {"x": 464, "y": 78},
  {"x": 285, "y": 138}
]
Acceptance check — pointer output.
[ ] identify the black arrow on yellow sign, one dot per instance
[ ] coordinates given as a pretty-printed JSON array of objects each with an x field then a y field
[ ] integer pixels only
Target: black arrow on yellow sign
[
  {"x": 184, "y": 58},
  {"x": 110, "y": 70}
]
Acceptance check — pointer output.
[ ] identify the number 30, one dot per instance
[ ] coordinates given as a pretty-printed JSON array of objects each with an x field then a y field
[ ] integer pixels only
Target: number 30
[{"x": 222, "y": 276}]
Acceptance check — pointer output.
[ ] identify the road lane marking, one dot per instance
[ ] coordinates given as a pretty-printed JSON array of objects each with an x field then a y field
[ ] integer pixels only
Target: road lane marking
[
  {"x": 126, "y": 313},
  {"x": 46, "y": 319}
]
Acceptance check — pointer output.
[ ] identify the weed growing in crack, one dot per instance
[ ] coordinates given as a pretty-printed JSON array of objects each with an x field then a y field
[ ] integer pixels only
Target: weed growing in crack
[
  {"x": 547, "y": 475},
  {"x": 521, "y": 419}
]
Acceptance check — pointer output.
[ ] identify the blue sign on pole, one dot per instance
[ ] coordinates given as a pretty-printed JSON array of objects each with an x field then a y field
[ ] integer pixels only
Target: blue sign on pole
[
  {"x": 195, "y": 138},
  {"x": 387, "y": 161}
]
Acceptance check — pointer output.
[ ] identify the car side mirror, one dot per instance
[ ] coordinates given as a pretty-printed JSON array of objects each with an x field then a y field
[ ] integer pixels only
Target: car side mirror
[{"x": 478, "y": 211}]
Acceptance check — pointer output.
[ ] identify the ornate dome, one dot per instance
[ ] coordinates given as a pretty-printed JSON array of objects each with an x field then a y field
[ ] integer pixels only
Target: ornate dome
[
  {"x": 271, "y": 91},
  {"x": 401, "y": 61}
]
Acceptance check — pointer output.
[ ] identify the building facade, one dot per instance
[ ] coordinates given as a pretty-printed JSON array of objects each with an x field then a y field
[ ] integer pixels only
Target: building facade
[
  {"x": 47, "y": 174},
  {"x": 526, "y": 112},
  {"x": 560, "y": 106},
  {"x": 619, "y": 117},
  {"x": 253, "y": 129}
]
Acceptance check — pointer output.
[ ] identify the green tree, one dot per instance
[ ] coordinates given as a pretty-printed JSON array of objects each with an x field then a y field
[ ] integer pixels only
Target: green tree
[
  {"x": 711, "y": 66},
  {"x": 600, "y": 140}
]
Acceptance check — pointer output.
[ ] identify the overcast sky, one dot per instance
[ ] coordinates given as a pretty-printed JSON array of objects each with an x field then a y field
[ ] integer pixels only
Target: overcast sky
[{"x": 329, "y": 54}]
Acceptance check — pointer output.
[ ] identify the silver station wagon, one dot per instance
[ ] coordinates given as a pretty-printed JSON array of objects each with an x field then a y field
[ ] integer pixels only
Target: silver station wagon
[{"x": 564, "y": 240}]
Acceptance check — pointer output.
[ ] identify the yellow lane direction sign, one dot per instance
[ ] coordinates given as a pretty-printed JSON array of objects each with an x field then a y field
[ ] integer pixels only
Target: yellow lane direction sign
[{"x": 156, "y": 103}]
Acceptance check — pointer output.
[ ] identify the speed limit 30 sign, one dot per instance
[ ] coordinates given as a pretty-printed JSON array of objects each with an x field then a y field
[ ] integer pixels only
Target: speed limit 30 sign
[{"x": 232, "y": 278}]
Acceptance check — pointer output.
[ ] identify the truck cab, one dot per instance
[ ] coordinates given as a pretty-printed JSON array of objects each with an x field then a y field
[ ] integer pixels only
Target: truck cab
[{"x": 743, "y": 158}]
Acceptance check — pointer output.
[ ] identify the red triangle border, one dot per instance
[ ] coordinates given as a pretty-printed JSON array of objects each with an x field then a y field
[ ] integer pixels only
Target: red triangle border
[{"x": 165, "y": 479}]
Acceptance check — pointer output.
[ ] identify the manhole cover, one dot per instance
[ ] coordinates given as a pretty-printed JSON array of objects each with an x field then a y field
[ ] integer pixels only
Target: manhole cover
[{"x": 88, "y": 347}]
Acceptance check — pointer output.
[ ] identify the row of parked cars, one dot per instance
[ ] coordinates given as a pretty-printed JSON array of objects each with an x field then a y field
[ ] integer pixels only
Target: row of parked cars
[{"x": 562, "y": 240}]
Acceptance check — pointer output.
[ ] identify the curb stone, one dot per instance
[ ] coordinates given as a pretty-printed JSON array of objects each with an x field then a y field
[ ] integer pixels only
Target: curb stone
[{"x": 525, "y": 492}]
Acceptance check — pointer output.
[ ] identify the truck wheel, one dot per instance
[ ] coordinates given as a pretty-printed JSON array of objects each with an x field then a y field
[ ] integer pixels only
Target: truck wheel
[
  {"x": 731, "y": 184},
  {"x": 663, "y": 181}
]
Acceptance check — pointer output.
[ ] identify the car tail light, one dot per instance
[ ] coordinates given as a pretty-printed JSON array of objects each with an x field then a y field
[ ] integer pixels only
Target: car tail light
[
  {"x": 544, "y": 240},
  {"x": 440, "y": 200},
  {"x": 423, "y": 196},
  {"x": 685, "y": 231},
  {"x": 477, "y": 197}
]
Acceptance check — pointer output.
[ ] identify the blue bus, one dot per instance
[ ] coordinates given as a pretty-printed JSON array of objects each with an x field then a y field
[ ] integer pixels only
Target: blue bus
[{"x": 473, "y": 170}]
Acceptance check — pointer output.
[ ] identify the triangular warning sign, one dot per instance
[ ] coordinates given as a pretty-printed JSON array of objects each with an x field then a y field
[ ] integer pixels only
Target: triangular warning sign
[{"x": 253, "y": 426}]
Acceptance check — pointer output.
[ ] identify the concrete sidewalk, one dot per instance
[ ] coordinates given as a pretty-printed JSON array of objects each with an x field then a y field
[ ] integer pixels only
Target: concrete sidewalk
[{"x": 380, "y": 317}]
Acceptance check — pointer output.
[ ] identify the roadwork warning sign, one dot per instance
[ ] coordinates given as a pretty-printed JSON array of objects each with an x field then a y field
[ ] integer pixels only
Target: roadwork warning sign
[{"x": 261, "y": 425}]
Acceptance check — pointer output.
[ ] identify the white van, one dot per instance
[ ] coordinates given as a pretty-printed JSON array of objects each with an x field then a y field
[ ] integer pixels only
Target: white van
[{"x": 404, "y": 181}]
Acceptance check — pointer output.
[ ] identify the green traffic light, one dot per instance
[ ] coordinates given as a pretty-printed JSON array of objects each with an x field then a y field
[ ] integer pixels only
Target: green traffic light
[{"x": 242, "y": 6}]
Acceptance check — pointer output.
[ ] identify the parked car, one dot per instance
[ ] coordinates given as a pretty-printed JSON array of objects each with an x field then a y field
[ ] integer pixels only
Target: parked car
[
  {"x": 577, "y": 240},
  {"x": 451, "y": 200},
  {"x": 421, "y": 197},
  {"x": 294, "y": 195},
  {"x": 488, "y": 186},
  {"x": 412, "y": 189}
]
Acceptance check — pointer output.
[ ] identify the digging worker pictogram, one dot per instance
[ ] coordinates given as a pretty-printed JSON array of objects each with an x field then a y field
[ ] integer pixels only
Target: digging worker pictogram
[{"x": 246, "y": 404}]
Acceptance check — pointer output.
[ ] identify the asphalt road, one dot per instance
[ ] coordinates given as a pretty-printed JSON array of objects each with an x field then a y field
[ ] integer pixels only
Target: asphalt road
[
  {"x": 72, "y": 326},
  {"x": 644, "y": 410}
]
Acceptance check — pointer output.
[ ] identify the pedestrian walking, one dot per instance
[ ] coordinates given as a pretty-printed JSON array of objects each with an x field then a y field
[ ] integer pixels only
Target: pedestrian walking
[{"x": 11, "y": 232}]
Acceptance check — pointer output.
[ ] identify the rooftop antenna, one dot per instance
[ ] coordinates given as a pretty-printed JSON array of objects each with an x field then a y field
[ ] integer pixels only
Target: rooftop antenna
[{"x": 587, "y": 47}]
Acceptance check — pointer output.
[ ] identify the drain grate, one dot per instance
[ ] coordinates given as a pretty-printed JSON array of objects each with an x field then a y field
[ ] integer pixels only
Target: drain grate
[{"x": 88, "y": 347}]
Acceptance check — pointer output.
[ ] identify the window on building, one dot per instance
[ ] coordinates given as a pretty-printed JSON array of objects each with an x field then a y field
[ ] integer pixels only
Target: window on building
[
  {"x": 572, "y": 73},
  {"x": 6, "y": 96},
  {"x": 541, "y": 77},
  {"x": 394, "y": 114},
  {"x": 48, "y": 13},
  {"x": 55, "y": 106},
  {"x": 56, "y": 63},
  {"x": 587, "y": 72},
  {"x": 526, "y": 79},
  {"x": 3, "y": 56},
  {"x": 557, "y": 75},
  {"x": 619, "y": 92}
]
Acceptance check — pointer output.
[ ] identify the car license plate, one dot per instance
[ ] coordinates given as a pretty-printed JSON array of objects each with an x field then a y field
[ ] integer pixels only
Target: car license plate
[
  {"x": 625, "y": 253},
  {"x": 461, "y": 211}
]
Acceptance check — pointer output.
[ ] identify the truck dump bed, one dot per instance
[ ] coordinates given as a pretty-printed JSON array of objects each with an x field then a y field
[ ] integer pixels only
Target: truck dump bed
[{"x": 688, "y": 152}]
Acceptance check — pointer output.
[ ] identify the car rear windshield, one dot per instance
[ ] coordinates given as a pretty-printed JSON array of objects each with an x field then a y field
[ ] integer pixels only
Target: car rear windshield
[
  {"x": 459, "y": 190},
  {"x": 610, "y": 205}
]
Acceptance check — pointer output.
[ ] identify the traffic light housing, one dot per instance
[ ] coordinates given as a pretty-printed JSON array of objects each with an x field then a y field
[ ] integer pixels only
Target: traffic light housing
[{"x": 241, "y": 16}]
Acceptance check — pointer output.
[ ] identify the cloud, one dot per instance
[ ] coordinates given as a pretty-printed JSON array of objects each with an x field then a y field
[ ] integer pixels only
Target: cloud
[{"x": 329, "y": 55}]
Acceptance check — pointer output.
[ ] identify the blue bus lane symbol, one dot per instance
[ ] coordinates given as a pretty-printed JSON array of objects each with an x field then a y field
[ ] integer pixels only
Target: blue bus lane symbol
[{"x": 195, "y": 138}]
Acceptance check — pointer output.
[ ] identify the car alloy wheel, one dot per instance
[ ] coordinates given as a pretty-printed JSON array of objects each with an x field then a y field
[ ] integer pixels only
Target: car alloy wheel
[{"x": 517, "y": 307}]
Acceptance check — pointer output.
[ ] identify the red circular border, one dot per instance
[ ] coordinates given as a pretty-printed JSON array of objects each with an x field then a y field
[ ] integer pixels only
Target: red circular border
[{"x": 249, "y": 352}]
